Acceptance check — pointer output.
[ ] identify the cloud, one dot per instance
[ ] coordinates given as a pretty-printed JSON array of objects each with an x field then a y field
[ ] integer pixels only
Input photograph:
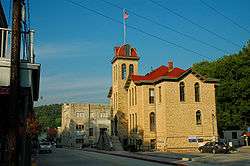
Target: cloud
[
  {"x": 70, "y": 49},
  {"x": 73, "y": 88}
]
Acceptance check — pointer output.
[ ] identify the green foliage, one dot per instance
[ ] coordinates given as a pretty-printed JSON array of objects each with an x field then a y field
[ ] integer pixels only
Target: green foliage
[
  {"x": 233, "y": 92},
  {"x": 49, "y": 115}
]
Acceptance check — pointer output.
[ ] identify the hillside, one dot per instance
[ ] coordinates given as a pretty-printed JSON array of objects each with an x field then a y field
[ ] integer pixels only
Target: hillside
[
  {"x": 49, "y": 115},
  {"x": 233, "y": 92}
]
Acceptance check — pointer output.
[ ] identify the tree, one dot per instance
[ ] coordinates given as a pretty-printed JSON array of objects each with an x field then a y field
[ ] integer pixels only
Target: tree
[
  {"x": 49, "y": 116},
  {"x": 233, "y": 92}
]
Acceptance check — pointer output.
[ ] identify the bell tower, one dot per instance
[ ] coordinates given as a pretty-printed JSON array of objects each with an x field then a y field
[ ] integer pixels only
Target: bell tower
[{"x": 124, "y": 63}]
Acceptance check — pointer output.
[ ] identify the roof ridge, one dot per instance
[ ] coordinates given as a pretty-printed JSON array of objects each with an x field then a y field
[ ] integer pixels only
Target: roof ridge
[{"x": 155, "y": 69}]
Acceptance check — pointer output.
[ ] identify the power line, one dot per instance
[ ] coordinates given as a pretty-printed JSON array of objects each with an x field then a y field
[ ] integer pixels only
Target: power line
[
  {"x": 220, "y": 13},
  {"x": 137, "y": 29},
  {"x": 196, "y": 24},
  {"x": 167, "y": 27}
]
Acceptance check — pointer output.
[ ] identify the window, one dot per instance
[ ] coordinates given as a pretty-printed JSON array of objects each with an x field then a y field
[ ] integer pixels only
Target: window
[
  {"x": 132, "y": 96},
  {"x": 234, "y": 135},
  {"x": 129, "y": 95},
  {"x": 79, "y": 127},
  {"x": 123, "y": 71},
  {"x": 197, "y": 92},
  {"x": 79, "y": 141},
  {"x": 135, "y": 122},
  {"x": 182, "y": 91},
  {"x": 159, "y": 94},
  {"x": 130, "y": 122},
  {"x": 79, "y": 114},
  {"x": 135, "y": 97},
  {"x": 153, "y": 143},
  {"x": 151, "y": 95},
  {"x": 131, "y": 69},
  {"x": 114, "y": 102},
  {"x": 152, "y": 121},
  {"x": 198, "y": 117},
  {"x": 91, "y": 132}
]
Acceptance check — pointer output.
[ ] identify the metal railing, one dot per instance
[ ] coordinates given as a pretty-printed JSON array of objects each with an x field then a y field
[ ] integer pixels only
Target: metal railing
[
  {"x": 27, "y": 45},
  {"x": 5, "y": 41}
]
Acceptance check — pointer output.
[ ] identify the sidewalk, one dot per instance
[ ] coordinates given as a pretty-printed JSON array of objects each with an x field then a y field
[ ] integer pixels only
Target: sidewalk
[
  {"x": 244, "y": 149},
  {"x": 157, "y": 159}
]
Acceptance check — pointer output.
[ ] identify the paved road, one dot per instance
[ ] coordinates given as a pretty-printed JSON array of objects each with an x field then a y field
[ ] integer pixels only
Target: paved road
[{"x": 70, "y": 157}]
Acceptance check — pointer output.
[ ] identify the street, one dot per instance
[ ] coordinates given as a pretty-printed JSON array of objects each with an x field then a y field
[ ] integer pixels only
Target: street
[{"x": 71, "y": 157}]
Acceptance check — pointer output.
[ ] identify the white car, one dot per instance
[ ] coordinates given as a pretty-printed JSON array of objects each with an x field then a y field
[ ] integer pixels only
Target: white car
[{"x": 45, "y": 147}]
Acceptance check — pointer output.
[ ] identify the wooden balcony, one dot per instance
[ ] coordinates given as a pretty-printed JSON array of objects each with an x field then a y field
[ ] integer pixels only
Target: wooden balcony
[{"x": 29, "y": 70}]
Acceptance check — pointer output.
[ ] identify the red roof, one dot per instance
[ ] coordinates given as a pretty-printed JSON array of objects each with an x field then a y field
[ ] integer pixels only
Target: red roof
[
  {"x": 159, "y": 72},
  {"x": 125, "y": 51}
]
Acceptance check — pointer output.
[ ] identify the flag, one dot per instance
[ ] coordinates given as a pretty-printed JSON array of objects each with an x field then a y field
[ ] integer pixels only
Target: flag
[{"x": 125, "y": 15}]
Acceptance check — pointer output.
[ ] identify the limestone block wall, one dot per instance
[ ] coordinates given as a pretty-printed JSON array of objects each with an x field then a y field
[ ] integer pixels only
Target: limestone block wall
[
  {"x": 119, "y": 94},
  {"x": 179, "y": 118},
  {"x": 78, "y": 114}
]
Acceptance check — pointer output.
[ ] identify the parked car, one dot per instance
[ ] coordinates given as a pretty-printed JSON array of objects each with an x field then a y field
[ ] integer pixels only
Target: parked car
[
  {"x": 214, "y": 147},
  {"x": 45, "y": 147}
]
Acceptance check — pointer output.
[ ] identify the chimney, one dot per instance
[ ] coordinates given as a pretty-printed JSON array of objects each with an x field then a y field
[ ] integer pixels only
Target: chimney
[{"x": 170, "y": 65}]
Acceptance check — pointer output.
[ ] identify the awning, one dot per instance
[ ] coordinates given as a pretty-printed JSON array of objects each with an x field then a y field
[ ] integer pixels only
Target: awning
[{"x": 246, "y": 134}]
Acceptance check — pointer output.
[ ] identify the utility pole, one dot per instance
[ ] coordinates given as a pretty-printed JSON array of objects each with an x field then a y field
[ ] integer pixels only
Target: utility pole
[
  {"x": 89, "y": 125},
  {"x": 13, "y": 114}
]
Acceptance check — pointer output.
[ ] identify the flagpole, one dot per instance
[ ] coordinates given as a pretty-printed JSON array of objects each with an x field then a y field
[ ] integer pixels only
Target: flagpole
[{"x": 124, "y": 27}]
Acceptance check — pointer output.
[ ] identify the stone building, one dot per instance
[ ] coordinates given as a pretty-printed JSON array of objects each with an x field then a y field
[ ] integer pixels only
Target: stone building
[
  {"x": 81, "y": 123},
  {"x": 167, "y": 109}
]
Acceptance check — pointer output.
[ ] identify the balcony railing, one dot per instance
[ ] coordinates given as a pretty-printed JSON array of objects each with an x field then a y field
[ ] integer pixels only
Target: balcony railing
[
  {"x": 29, "y": 70},
  {"x": 27, "y": 45}
]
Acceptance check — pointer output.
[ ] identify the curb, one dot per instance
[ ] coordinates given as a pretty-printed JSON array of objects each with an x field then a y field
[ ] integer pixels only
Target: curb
[
  {"x": 177, "y": 158},
  {"x": 136, "y": 157}
]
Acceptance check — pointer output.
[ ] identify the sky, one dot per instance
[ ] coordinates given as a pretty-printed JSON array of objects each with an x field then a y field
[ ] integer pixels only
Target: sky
[{"x": 75, "y": 46}]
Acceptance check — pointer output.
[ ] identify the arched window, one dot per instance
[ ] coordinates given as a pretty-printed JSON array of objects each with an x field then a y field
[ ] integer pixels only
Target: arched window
[
  {"x": 135, "y": 122},
  {"x": 197, "y": 92},
  {"x": 182, "y": 91},
  {"x": 131, "y": 69},
  {"x": 198, "y": 117},
  {"x": 123, "y": 71},
  {"x": 133, "y": 129},
  {"x": 152, "y": 121},
  {"x": 130, "y": 122}
]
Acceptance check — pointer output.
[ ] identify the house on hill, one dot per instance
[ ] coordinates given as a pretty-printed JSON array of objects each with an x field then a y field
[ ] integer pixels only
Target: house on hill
[{"x": 168, "y": 109}]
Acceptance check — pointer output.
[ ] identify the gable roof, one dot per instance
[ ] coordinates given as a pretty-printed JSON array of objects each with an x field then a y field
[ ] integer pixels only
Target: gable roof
[
  {"x": 159, "y": 72},
  {"x": 163, "y": 73}
]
